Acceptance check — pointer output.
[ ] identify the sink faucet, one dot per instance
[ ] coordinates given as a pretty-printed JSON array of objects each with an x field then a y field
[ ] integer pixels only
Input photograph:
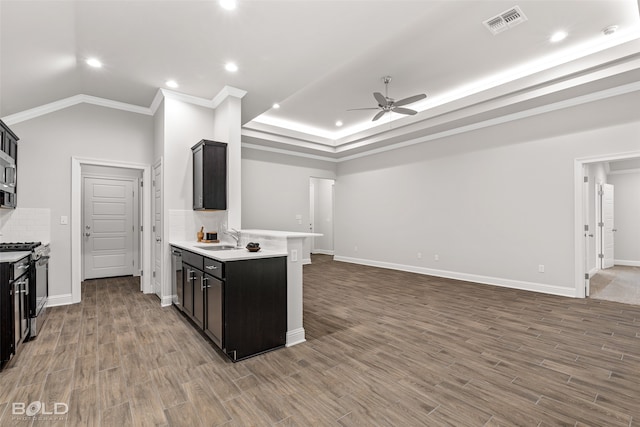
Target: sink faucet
[{"x": 235, "y": 234}]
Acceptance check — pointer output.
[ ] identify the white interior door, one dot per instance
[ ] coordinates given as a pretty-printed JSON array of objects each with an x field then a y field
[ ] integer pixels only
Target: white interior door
[
  {"x": 156, "y": 277},
  {"x": 108, "y": 229},
  {"x": 607, "y": 226}
]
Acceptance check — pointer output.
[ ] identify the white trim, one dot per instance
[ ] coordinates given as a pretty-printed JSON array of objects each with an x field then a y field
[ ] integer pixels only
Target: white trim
[
  {"x": 76, "y": 220},
  {"x": 166, "y": 301},
  {"x": 593, "y": 272},
  {"x": 322, "y": 251},
  {"x": 289, "y": 152},
  {"x": 52, "y": 107},
  {"x": 495, "y": 281},
  {"x": 56, "y": 300},
  {"x": 295, "y": 337},
  {"x": 306, "y": 261},
  {"x": 627, "y": 263}
]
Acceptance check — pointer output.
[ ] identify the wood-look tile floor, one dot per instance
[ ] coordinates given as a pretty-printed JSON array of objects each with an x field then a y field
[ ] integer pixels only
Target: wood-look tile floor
[{"x": 384, "y": 348}]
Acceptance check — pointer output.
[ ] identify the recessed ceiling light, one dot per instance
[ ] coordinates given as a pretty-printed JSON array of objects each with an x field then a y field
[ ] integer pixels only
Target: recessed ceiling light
[
  {"x": 231, "y": 67},
  {"x": 228, "y": 4},
  {"x": 276, "y": 105},
  {"x": 172, "y": 83},
  {"x": 93, "y": 62},
  {"x": 339, "y": 123},
  {"x": 610, "y": 30},
  {"x": 558, "y": 36}
]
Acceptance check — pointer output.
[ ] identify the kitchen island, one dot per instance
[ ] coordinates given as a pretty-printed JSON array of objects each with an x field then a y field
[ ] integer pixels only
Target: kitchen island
[{"x": 235, "y": 297}]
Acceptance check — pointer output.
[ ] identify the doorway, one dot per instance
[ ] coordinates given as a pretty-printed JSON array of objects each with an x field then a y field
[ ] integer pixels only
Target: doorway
[
  {"x": 321, "y": 208},
  {"x": 607, "y": 253},
  {"x": 76, "y": 226}
]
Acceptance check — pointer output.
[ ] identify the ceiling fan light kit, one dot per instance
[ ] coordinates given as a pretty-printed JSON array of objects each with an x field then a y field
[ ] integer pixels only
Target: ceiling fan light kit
[{"x": 387, "y": 105}]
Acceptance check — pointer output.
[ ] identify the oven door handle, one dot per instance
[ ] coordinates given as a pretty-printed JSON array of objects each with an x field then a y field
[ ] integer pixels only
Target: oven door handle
[{"x": 43, "y": 260}]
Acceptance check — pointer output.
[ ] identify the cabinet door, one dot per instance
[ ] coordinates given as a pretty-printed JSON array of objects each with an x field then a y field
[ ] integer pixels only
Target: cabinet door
[
  {"x": 213, "y": 321},
  {"x": 188, "y": 278},
  {"x": 198, "y": 178},
  {"x": 198, "y": 298}
]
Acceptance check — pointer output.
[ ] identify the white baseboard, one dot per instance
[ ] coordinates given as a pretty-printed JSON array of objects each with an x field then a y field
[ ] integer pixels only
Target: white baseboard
[
  {"x": 322, "y": 252},
  {"x": 306, "y": 261},
  {"x": 56, "y": 300},
  {"x": 295, "y": 337},
  {"x": 627, "y": 263},
  {"x": 593, "y": 272},
  {"x": 486, "y": 280},
  {"x": 166, "y": 301}
]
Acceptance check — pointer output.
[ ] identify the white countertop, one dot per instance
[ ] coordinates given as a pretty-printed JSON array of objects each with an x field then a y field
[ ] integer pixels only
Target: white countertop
[
  {"x": 278, "y": 233},
  {"x": 226, "y": 255},
  {"x": 13, "y": 256}
]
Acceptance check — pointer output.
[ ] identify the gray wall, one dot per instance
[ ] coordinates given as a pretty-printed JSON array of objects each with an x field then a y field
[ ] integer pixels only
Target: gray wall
[
  {"x": 626, "y": 211},
  {"x": 494, "y": 203},
  {"x": 275, "y": 188},
  {"x": 46, "y": 146}
]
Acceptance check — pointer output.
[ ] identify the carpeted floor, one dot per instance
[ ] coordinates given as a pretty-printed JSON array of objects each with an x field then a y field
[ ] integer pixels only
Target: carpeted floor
[{"x": 619, "y": 283}]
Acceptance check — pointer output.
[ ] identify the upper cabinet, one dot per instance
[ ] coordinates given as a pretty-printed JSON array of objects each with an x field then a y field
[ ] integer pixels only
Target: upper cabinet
[
  {"x": 8, "y": 170},
  {"x": 209, "y": 175}
]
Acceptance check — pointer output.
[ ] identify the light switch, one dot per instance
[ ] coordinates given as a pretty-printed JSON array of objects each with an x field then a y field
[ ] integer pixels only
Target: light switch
[{"x": 64, "y": 220}]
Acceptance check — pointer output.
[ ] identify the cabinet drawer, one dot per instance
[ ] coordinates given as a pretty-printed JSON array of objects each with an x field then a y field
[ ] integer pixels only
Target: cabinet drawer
[
  {"x": 214, "y": 268},
  {"x": 192, "y": 259}
]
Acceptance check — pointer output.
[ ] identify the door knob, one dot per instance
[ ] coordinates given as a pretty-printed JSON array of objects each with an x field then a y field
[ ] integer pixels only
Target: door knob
[
  {"x": 87, "y": 234},
  {"x": 614, "y": 230}
]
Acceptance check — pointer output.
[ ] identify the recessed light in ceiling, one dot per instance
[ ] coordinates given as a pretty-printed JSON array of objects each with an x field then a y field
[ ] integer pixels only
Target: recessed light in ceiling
[
  {"x": 276, "y": 105},
  {"x": 172, "y": 83},
  {"x": 94, "y": 62},
  {"x": 228, "y": 4},
  {"x": 558, "y": 36},
  {"x": 609, "y": 30},
  {"x": 231, "y": 67},
  {"x": 339, "y": 123}
]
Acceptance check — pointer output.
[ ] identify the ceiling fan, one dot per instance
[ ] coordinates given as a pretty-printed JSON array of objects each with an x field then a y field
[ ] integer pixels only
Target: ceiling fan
[{"x": 386, "y": 104}]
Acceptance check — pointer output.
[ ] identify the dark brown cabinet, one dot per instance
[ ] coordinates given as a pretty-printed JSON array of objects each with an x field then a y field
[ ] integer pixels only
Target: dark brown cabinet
[
  {"x": 14, "y": 306},
  {"x": 209, "y": 175},
  {"x": 241, "y": 306},
  {"x": 8, "y": 168}
]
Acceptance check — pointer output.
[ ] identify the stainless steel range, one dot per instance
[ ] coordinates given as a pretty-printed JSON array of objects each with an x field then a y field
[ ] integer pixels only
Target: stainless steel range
[{"x": 38, "y": 281}]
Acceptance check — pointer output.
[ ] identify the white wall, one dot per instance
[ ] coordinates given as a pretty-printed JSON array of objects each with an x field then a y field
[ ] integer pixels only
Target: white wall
[
  {"x": 493, "y": 204},
  {"x": 275, "y": 188},
  {"x": 626, "y": 211},
  {"x": 47, "y": 144}
]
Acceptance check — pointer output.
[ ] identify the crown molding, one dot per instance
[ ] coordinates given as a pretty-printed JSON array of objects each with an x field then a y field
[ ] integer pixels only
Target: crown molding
[{"x": 226, "y": 92}]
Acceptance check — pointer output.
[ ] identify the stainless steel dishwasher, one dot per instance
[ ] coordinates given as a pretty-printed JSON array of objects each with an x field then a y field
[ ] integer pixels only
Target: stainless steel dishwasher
[{"x": 177, "y": 284}]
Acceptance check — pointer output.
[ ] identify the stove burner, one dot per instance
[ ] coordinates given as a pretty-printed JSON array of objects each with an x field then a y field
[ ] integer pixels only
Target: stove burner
[{"x": 19, "y": 246}]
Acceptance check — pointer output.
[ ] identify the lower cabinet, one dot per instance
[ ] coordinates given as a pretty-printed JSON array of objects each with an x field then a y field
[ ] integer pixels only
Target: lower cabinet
[{"x": 241, "y": 306}]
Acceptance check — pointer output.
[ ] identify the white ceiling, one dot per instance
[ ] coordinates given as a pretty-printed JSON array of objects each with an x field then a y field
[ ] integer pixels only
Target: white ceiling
[{"x": 319, "y": 58}]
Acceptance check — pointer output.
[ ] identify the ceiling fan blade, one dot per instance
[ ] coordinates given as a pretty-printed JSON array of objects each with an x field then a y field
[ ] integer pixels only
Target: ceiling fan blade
[
  {"x": 404, "y": 111},
  {"x": 377, "y": 116},
  {"x": 382, "y": 101},
  {"x": 410, "y": 99},
  {"x": 355, "y": 109}
]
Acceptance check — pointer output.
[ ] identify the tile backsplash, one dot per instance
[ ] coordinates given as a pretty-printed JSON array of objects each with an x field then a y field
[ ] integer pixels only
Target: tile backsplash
[
  {"x": 25, "y": 225},
  {"x": 185, "y": 224}
]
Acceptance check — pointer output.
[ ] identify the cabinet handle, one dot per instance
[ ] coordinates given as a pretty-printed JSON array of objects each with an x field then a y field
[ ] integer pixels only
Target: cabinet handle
[
  {"x": 191, "y": 275},
  {"x": 202, "y": 280},
  {"x": 22, "y": 267},
  {"x": 211, "y": 267}
]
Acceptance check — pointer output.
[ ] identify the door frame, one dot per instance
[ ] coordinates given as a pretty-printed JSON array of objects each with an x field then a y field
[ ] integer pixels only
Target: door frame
[
  {"x": 580, "y": 218},
  {"x": 76, "y": 221}
]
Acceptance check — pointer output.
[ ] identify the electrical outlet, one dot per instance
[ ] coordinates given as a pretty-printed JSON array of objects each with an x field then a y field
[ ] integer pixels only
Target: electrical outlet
[
  {"x": 419, "y": 255},
  {"x": 436, "y": 257},
  {"x": 355, "y": 249},
  {"x": 541, "y": 268},
  {"x": 294, "y": 255}
]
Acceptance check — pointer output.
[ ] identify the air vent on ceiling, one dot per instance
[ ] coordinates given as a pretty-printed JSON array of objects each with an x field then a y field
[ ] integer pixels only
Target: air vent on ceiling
[{"x": 504, "y": 21}]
